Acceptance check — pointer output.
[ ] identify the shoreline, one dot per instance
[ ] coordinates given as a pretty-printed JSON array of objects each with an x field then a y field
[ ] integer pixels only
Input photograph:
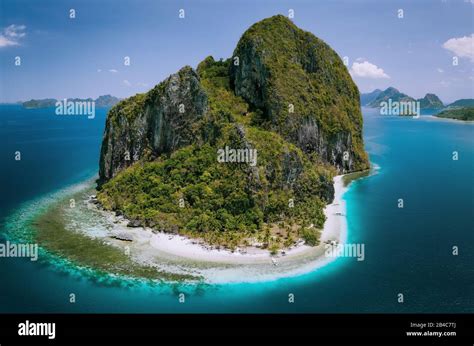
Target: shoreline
[
  {"x": 182, "y": 255},
  {"x": 335, "y": 229},
  {"x": 177, "y": 255},
  {"x": 459, "y": 121}
]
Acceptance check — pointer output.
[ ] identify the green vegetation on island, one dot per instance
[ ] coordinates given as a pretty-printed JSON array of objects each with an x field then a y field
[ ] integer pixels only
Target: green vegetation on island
[
  {"x": 462, "y": 103},
  {"x": 367, "y": 98},
  {"x": 390, "y": 94},
  {"x": 462, "y": 113},
  {"x": 45, "y": 103},
  {"x": 375, "y": 98},
  {"x": 430, "y": 101},
  {"x": 101, "y": 101},
  {"x": 284, "y": 94}
]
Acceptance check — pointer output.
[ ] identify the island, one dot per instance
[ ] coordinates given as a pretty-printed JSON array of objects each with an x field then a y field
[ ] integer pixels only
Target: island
[
  {"x": 43, "y": 103},
  {"x": 462, "y": 103},
  {"x": 375, "y": 98},
  {"x": 390, "y": 93},
  {"x": 430, "y": 101},
  {"x": 228, "y": 171},
  {"x": 106, "y": 101},
  {"x": 458, "y": 113},
  {"x": 159, "y": 167},
  {"x": 101, "y": 101},
  {"x": 366, "y": 98}
]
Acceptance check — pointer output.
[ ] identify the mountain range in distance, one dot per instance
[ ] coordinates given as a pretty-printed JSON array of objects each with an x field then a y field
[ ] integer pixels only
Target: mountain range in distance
[
  {"x": 430, "y": 101},
  {"x": 372, "y": 99},
  {"x": 101, "y": 101}
]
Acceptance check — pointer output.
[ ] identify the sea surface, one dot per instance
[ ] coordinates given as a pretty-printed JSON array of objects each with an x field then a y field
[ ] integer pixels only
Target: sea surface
[{"x": 408, "y": 250}]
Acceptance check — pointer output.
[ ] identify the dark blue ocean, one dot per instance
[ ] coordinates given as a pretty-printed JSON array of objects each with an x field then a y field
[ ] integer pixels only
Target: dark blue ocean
[{"x": 407, "y": 250}]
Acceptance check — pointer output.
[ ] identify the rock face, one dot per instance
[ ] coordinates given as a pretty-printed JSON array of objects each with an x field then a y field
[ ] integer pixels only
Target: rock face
[
  {"x": 154, "y": 123},
  {"x": 293, "y": 82},
  {"x": 303, "y": 90}
]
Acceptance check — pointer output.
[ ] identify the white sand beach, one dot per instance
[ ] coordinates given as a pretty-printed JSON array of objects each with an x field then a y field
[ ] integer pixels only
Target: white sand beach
[{"x": 180, "y": 254}]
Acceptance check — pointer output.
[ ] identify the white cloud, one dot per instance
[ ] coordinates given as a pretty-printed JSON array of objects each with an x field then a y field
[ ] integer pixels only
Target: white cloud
[
  {"x": 11, "y": 35},
  {"x": 5, "y": 42},
  {"x": 15, "y": 31},
  {"x": 126, "y": 83},
  {"x": 113, "y": 70},
  {"x": 462, "y": 47},
  {"x": 99, "y": 70},
  {"x": 440, "y": 70},
  {"x": 367, "y": 70},
  {"x": 140, "y": 84}
]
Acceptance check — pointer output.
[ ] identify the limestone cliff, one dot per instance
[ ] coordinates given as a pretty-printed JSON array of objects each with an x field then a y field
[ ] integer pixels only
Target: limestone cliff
[
  {"x": 303, "y": 90},
  {"x": 154, "y": 123},
  {"x": 284, "y": 96}
]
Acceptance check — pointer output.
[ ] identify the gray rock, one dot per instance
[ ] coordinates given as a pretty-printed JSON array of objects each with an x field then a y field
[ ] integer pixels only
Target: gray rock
[
  {"x": 123, "y": 236},
  {"x": 160, "y": 121},
  {"x": 134, "y": 223},
  {"x": 295, "y": 67}
]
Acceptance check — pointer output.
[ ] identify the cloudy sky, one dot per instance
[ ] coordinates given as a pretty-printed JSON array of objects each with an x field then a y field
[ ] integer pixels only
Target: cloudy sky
[{"x": 416, "y": 46}]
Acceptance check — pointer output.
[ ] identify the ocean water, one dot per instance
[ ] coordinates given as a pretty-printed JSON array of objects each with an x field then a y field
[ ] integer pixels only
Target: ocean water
[{"x": 407, "y": 250}]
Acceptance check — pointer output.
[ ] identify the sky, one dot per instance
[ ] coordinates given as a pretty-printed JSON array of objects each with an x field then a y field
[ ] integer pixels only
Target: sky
[{"x": 409, "y": 45}]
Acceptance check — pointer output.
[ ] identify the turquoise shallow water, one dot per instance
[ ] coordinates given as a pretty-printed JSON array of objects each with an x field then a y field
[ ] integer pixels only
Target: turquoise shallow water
[{"x": 406, "y": 250}]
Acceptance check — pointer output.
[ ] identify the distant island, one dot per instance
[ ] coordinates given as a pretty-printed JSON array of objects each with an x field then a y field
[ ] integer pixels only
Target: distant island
[
  {"x": 106, "y": 101},
  {"x": 462, "y": 103},
  {"x": 376, "y": 97},
  {"x": 386, "y": 95},
  {"x": 458, "y": 113},
  {"x": 43, "y": 103},
  {"x": 367, "y": 98},
  {"x": 459, "y": 110},
  {"x": 430, "y": 101},
  {"x": 101, "y": 101}
]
